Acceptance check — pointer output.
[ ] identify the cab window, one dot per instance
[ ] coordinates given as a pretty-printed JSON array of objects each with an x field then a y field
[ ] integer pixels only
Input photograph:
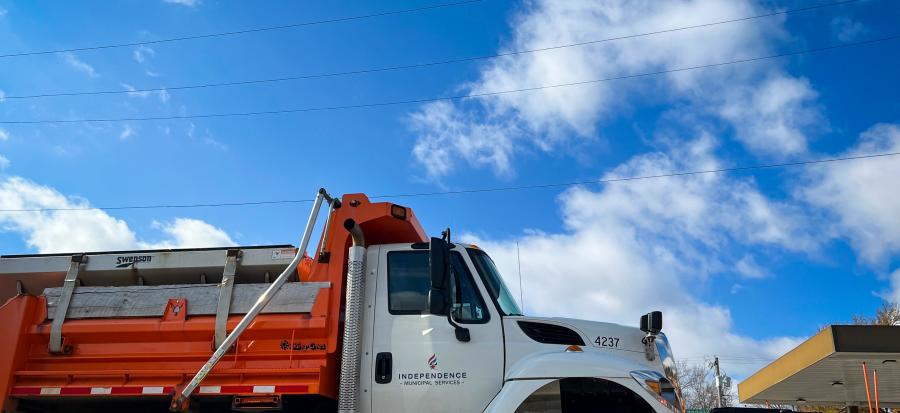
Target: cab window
[{"x": 408, "y": 285}]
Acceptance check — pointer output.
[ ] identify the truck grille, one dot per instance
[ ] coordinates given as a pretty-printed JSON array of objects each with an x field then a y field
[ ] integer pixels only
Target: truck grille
[{"x": 550, "y": 333}]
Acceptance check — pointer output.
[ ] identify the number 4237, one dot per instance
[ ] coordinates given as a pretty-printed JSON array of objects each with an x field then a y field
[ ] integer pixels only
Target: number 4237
[{"x": 607, "y": 341}]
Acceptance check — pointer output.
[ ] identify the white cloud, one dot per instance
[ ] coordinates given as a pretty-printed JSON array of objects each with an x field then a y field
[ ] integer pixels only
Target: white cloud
[
  {"x": 163, "y": 94},
  {"x": 132, "y": 92},
  {"x": 551, "y": 119},
  {"x": 772, "y": 117},
  {"x": 894, "y": 295},
  {"x": 87, "y": 230},
  {"x": 141, "y": 53},
  {"x": 209, "y": 140},
  {"x": 2, "y": 95},
  {"x": 188, "y": 3},
  {"x": 4, "y": 134},
  {"x": 645, "y": 245},
  {"x": 127, "y": 132},
  {"x": 862, "y": 195},
  {"x": 191, "y": 233},
  {"x": 4, "y": 163},
  {"x": 847, "y": 29},
  {"x": 447, "y": 134},
  {"x": 748, "y": 268},
  {"x": 75, "y": 63}
]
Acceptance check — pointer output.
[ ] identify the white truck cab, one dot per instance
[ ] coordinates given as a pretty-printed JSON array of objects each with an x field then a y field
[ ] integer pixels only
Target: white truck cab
[{"x": 481, "y": 354}]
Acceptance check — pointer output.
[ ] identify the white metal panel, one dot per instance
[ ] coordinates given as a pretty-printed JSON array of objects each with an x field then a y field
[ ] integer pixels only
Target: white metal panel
[
  {"x": 474, "y": 369},
  {"x": 150, "y": 301},
  {"x": 515, "y": 392},
  {"x": 151, "y": 267},
  {"x": 627, "y": 346}
]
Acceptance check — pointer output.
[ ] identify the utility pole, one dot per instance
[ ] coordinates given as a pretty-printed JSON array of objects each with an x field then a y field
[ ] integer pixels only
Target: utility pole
[{"x": 719, "y": 396}]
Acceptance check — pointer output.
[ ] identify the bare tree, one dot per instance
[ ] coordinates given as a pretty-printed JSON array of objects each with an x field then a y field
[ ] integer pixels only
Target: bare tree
[
  {"x": 886, "y": 315},
  {"x": 698, "y": 387}
]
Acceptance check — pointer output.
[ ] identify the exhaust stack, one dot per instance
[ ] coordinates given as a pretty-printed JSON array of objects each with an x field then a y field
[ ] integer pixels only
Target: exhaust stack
[{"x": 348, "y": 393}]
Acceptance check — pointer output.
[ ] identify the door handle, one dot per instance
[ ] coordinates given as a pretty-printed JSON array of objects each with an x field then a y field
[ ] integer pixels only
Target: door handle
[{"x": 383, "y": 366}]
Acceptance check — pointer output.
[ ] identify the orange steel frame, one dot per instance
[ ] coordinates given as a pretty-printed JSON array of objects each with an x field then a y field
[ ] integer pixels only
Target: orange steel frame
[{"x": 167, "y": 351}]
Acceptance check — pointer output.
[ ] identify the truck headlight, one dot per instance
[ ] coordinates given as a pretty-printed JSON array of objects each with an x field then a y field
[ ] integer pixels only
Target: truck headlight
[{"x": 658, "y": 386}]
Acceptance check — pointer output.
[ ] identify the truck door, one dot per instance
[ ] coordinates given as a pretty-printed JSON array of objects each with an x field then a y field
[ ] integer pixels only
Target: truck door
[{"x": 419, "y": 364}]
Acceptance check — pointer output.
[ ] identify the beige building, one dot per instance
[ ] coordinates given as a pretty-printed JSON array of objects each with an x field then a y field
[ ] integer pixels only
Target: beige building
[{"x": 827, "y": 370}]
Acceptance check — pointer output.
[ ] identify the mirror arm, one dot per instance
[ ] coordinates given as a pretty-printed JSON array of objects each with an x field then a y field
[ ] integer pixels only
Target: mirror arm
[{"x": 462, "y": 333}]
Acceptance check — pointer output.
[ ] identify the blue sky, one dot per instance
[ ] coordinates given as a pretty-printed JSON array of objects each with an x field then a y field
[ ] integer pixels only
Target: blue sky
[{"x": 745, "y": 264}]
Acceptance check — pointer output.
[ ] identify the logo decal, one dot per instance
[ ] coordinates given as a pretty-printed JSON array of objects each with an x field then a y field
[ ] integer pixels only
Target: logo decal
[
  {"x": 433, "y": 378},
  {"x": 127, "y": 261}
]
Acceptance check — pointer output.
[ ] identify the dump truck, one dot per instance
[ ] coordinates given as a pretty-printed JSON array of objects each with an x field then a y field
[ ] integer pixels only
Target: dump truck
[{"x": 379, "y": 317}]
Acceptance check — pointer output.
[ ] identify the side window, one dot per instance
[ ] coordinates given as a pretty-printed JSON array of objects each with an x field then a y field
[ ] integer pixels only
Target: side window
[
  {"x": 468, "y": 306},
  {"x": 408, "y": 282},
  {"x": 408, "y": 285}
]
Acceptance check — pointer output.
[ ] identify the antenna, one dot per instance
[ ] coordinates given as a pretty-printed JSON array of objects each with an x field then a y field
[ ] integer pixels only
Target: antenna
[{"x": 519, "y": 262}]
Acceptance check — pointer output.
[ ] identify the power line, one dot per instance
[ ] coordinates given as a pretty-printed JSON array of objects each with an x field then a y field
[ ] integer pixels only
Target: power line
[
  {"x": 482, "y": 190},
  {"x": 450, "y": 98},
  {"x": 418, "y": 65},
  {"x": 239, "y": 32}
]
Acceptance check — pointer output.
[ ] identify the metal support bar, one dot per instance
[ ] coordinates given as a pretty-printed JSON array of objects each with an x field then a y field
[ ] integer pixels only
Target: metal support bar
[
  {"x": 223, "y": 307},
  {"x": 324, "y": 256},
  {"x": 65, "y": 297},
  {"x": 181, "y": 399}
]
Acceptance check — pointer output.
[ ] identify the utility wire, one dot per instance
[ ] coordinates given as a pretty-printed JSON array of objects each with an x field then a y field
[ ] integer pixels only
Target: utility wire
[
  {"x": 418, "y": 65},
  {"x": 239, "y": 32},
  {"x": 447, "y": 98},
  {"x": 484, "y": 190}
]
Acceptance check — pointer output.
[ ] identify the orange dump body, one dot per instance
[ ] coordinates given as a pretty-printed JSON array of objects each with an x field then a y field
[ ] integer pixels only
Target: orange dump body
[{"x": 279, "y": 354}]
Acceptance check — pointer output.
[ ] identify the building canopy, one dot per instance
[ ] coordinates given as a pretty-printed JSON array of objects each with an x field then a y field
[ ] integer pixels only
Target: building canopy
[{"x": 827, "y": 369}]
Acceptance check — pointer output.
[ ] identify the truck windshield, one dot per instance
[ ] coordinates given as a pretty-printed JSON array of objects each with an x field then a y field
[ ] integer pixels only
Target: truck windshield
[{"x": 494, "y": 282}]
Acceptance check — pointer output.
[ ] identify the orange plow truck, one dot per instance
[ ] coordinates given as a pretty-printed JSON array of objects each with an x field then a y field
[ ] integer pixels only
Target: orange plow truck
[{"x": 379, "y": 318}]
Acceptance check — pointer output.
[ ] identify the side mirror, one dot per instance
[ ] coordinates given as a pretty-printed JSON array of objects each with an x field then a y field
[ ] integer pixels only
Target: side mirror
[
  {"x": 652, "y": 322},
  {"x": 439, "y": 263},
  {"x": 437, "y": 301},
  {"x": 439, "y": 271}
]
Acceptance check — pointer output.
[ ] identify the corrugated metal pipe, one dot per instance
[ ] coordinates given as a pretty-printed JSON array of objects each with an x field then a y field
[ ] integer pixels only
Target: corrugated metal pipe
[{"x": 348, "y": 394}]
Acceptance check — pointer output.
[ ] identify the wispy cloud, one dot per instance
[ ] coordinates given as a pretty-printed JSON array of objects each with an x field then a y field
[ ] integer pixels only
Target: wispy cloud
[
  {"x": 2, "y": 96},
  {"x": 847, "y": 29},
  {"x": 3, "y": 12},
  {"x": 215, "y": 143},
  {"x": 142, "y": 53},
  {"x": 188, "y": 3},
  {"x": 79, "y": 65},
  {"x": 163, "y": 94},
  {"x": 133, "y": 92},
  {"x": 894, "y": 294},
  {"x": 748, "y": 268},
  {"x": 4, "y": 162},
  {"x": 4, "y": 134},
  {"x": 777, "y": 110},
  {"x": 127, "y": 132}
]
